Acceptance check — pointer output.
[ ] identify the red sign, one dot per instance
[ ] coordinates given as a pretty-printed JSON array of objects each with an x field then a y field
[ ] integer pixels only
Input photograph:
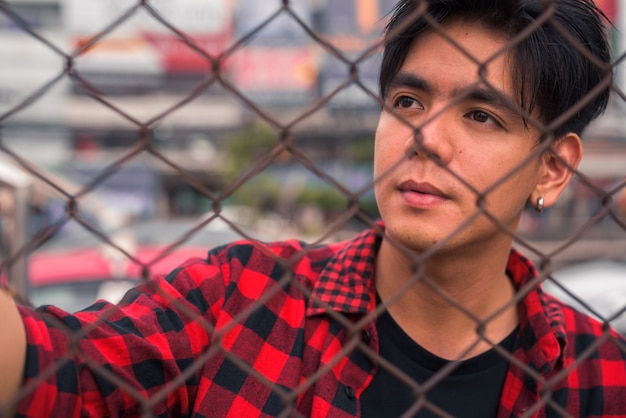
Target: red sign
[
  {"x": 177, "y": 56},
  {"x": 273, "y": 68},
  {"x": 609, "y": 7}
]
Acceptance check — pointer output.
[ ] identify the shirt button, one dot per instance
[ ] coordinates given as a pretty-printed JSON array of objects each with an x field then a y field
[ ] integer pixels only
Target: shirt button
[
  {"x": 349, "y": 392},
  {"x": 367, "y": 337}
]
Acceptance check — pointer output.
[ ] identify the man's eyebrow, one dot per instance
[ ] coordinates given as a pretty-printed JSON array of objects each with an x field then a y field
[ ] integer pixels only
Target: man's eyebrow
[
  {"x": 404, "y": 79},
  {"x": 477, "y": 93},
  {"x": 495, "y": 99},
  {"x": 487, "y": 96}
]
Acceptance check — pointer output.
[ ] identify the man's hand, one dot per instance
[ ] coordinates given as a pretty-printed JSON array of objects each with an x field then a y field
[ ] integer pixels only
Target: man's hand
[{"x": 12, "y": 348}]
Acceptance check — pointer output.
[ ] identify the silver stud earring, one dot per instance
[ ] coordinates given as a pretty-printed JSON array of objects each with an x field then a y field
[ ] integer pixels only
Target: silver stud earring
[{"x": 539, "y": 207}]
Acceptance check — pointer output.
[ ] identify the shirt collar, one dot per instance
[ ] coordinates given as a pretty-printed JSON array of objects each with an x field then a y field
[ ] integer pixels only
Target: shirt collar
[
  {"x": 542, "y": 325},
  {"x": 347, "y": 285}
]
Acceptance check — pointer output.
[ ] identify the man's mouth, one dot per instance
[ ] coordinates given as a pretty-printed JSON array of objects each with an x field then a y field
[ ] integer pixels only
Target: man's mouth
[
  {"x": 421, "y": 188},
  {"x": 421, "y": 195}
]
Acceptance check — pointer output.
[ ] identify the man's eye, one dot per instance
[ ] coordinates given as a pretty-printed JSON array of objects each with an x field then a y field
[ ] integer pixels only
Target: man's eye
[
  {"x": 406, "y": 102},
  {"x": 482, "y": 117},
  {"x": 479, "y": 116}
]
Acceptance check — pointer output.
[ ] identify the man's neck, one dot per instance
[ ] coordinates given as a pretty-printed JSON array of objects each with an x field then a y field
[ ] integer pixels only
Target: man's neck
[{"x": 441, "y": 303}]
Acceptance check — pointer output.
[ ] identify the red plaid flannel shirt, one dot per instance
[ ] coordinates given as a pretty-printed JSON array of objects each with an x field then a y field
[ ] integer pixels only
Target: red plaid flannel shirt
[{"x": 255, "y": 330}]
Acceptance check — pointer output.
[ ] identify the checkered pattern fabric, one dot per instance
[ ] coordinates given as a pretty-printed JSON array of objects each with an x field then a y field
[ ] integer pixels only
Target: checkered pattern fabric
[{"x": 286, "y": 329}]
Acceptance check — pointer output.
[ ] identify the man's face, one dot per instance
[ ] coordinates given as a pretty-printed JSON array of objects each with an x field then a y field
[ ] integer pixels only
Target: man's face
[{"x": 477, "y": 139}]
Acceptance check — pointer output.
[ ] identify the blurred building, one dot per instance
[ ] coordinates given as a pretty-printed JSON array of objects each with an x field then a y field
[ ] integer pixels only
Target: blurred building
[{"x": 156, "y": 66}]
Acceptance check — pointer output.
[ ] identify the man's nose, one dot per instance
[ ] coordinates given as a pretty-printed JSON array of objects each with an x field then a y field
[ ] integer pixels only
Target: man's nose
[{"x": 432, "y": 140}]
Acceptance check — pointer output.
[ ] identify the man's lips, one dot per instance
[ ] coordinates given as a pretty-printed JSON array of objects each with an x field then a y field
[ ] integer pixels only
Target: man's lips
[
  {"x": 422, "y": 188},
  {"x": 421, "y": 195}
]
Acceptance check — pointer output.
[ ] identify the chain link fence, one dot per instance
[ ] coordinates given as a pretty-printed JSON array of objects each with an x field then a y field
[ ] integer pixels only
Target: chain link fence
[{"x": 252, "y": 135}]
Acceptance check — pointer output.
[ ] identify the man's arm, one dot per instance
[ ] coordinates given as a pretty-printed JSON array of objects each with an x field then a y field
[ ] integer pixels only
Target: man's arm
[
  {"x": 12, "y": 348},
  {"x": 113, "y": 340}
]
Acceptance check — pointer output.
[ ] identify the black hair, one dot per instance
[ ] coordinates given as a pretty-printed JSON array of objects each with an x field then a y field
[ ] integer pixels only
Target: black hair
[{"x": 549, "y": 71}]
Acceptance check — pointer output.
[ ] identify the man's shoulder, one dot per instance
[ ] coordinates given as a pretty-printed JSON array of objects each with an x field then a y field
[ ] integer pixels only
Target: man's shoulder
[
  {"x": 573, "y": 318},
  {"x": 582, "y": 330},
  {"x": 289, "y": 252}
]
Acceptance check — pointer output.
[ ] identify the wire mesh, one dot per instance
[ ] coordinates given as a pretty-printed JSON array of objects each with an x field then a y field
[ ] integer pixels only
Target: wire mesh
[{"x": 277, "y": 134}]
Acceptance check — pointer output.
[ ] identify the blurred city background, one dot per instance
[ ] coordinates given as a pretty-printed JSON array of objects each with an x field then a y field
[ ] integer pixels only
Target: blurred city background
[{"x": 262, "y": 113}]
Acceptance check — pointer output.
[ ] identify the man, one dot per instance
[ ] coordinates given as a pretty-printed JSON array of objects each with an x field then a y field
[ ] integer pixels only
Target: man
[{"x": 428, "y": 313}]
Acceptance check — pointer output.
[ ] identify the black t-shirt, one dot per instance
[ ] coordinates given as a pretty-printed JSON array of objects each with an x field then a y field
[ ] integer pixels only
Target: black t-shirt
[{"x": 471, "y": 390}]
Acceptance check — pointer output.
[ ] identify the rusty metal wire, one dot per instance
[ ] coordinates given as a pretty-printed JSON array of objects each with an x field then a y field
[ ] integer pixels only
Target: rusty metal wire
[{"x": 284, "y": 127}]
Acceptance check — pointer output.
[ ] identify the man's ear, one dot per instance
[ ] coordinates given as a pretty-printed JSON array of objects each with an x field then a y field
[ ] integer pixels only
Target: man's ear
[{"x": 558, "y": 165}]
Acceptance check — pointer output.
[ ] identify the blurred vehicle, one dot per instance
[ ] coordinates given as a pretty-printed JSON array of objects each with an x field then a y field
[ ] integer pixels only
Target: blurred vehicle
[
  {"x": 78, "y": 270},
  {"x": 597, "y": 288}
]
